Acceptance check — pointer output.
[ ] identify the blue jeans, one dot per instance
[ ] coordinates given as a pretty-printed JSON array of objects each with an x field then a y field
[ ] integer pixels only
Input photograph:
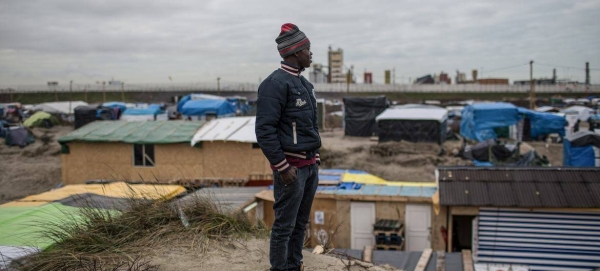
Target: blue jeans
[{"x": 292, "y": 211}]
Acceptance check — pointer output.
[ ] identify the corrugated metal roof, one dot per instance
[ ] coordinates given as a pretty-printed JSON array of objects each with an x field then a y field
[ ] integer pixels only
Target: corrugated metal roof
[
  {"x": 227, "y": 198},
  {"x": 240, "y": 129},
  {"x": 407, "y": 260},
  {"x": 138, "y": 132},
  {"x": 520, "y": 187}
]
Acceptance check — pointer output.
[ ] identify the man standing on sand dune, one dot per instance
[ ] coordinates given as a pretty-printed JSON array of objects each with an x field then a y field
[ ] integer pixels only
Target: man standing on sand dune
[{"x": 287, "y": 132}]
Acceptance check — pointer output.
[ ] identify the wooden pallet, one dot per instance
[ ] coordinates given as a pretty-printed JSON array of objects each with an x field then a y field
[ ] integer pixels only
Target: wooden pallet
[{"x": 388, "y": 233}]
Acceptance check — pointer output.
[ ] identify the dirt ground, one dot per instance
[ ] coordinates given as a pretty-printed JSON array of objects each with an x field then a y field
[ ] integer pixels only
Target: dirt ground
[
  {"x": 242, "y": 256},
  {"x": 32, "y": 169},
  {"x": 403, "y": 161}
]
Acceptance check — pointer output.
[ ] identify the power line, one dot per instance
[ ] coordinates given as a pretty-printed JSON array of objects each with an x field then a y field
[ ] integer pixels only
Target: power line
[
  {"x": 506, "y": 68},
  {"x": 562, "y": 66}
]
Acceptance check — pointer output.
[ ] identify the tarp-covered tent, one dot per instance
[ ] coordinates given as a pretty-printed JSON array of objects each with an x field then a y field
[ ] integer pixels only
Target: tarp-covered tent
[
  {"x": 150, "y": 112},
  {"x": 584, "y": 112},
  {"x": 414, "y": 124},
  {"x": 479, "y": 120},
  {"x": 202, "y": 108},
  {"x": 66, "y": 108},
  {"x": 40, "y": 119},
  {"x": 18, "y": 136},
  {"x": 581, "y": 149},
  {"x": 194, "y": 97},
  {"x": 117, "y": 107},
  {"x": 360, "y": 114},
  {"x": 540, "y": 124}
]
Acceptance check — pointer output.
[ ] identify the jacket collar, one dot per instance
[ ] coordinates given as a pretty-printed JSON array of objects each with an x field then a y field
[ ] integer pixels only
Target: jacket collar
[{"x": 291, "y": 68}]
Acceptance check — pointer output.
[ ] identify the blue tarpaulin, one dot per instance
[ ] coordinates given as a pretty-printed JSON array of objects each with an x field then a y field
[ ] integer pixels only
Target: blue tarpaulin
[
  {"x": 153, "y": 109},
  {"x": 544, "y": 123},
  {"x": 122, "y": 106},
  {"x": 202, "y": 107},
  {"x": 479, "y": 120},
  {"x": 578, "y": 149}
]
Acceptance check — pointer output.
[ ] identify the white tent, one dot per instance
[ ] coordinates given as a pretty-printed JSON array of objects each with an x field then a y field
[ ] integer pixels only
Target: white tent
[
  {"x": 60, "y": 107},
  {"x": 239, "y": 129},
  {"x": 584, "y": 112},
  {"x": 415, "y": 113}
]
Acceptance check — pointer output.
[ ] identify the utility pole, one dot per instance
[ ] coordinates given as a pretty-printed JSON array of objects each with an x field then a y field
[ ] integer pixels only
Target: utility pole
[
  {"x": 103, "y": 91},
  {"x": 85, "y": 93},
  {"x": 70, "y": 95},
  {"x": 219, "y": 86},
  {"x": 587, "y": 78},
  {"x": 532, "y": 87},
  {"x": 394, "y": 76},
  {"x": 123, "y": 91}
]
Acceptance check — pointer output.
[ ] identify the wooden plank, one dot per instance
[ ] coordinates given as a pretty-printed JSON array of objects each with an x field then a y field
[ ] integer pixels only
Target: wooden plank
[
  {"x": 467, "y": 260},
  {"x": 422, "y": 264},
  {"x": 368, "y": 254},
  {"x": 441, "y": 260}
]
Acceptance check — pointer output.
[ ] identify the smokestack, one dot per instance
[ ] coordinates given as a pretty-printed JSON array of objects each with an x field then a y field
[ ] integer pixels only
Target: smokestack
[
  {"x": 554, "y": 76},
  {"x": 587, "y": 73},
  {"x": 474, "y": 75}
]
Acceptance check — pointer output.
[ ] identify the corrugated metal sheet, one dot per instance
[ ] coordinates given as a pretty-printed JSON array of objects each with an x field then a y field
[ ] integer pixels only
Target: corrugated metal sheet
[
  {"x": 520, "y": 187},
  {"x": 227, "y": 198},
  {"x": 543, "y": 240},
  {"x": 384, "y": 190},
  {"x": 239, "y": 129}
]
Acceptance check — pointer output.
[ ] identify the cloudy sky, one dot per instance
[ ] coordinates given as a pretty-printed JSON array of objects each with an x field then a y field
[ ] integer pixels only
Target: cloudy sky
[{"x": 198, "y": 41}]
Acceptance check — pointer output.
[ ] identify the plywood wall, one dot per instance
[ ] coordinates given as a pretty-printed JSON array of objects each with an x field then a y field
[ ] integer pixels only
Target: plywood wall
[
  {"x": 438, "y": 221},
  {"x": 114, "y": 161},
  {"x": 328, "y": 228}
]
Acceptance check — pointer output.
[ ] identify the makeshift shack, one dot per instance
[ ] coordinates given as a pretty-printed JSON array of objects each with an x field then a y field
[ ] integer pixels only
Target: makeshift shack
[
  {"x": 545, "y": 218},
  {"x": 360, "y": 114},
  {"x": 479, "y": 120},
  {"x": 538, "y": 125},
  {"x": 581, "y": 149},
  {"x": 161, "y": 151},
  {"x": 236, "y": 151},
  {"x": 413, "y": 124},
  {"x": 351, "y": 210},
  {"x": 89, "y": 113}
]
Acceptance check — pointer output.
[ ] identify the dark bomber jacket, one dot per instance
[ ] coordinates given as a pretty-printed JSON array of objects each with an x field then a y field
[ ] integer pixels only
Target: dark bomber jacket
[{"x": 286, "y": 117}]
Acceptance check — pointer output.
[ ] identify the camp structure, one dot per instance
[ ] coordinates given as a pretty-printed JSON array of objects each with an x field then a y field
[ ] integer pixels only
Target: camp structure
[
  {"x": 537, "y": 125},
  {"x": 117, "y": 107},
  {"x": 360, "y": 114},
  {"x": 414, "y": 124},
  {"x": 206, "y": 107},
  {"x": 584, "y": 112},
  {"x": 479, "y": 120},
  {"x": 89, "y": 113},
  {"x": 387, "y": 215},
  {"x": 63, "y": 108},
  {"x": 138, "y": 112},
  {"x": 23, "y": 221},
  {"x": 543, "y": 218},
  {"x": 17, "y": 136},
  {"x": 162, "y": 151},
  {"x": 40, "y": 119},
  {"x": 234, "y": 150},
  {"x": 581, "y": 149}
]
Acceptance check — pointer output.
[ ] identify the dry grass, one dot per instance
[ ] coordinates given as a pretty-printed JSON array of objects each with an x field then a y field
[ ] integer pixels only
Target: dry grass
[{"x": 107, "y": 240}]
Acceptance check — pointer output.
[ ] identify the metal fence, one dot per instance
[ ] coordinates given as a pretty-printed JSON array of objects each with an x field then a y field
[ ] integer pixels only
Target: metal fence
[{"x": 250, "y": 87}]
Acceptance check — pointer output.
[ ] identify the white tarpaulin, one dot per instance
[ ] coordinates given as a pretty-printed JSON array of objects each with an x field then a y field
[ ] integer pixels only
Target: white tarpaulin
[
  {"x": 415, "y": 113},
  {"x": 60, "y": 107},
  {"x": 240, "y": 129},
  {"x": 584, "y": 112}
]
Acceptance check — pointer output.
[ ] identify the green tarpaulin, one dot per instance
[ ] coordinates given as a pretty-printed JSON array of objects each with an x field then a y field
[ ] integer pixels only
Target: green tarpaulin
[
  {"x": 136, "y": 132},
  {"x": 37, "y": 120}
]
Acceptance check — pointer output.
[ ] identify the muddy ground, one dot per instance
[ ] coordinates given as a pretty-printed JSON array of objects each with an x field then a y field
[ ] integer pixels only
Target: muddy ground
[{"x": 33, "y": 169}]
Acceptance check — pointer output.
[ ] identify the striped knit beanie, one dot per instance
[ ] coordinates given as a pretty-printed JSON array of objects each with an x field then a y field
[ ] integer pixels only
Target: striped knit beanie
[{"x": 291, "y": 40}]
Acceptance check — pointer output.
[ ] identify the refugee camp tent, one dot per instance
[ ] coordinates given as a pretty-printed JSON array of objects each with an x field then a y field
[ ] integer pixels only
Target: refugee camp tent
[
  {"x": 18, "y": 136},
  {"x": 200, "y": 109},
  {"x": 584, "y": 112},
  {"x": 547, "y": 109},
  {"x": 360, "y": 114},
  {"x": 581, "y": 150},
  {"x": 416, "y": 124},
  {"x": 118, "y": 108},
  {"x": 89, "y": 113},
  {"x": 540, "y": 124},
  {"x": 40, "y": 119},
  {"x": 194, "y": 97},
  {"x": 143, "y": 112},
  {"x": 66, "y": 108},
  {"x": 479, "y": 120}
]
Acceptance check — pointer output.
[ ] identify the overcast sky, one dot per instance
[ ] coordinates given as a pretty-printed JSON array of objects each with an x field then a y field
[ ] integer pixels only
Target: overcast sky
[{"x": 198, "y": 41}]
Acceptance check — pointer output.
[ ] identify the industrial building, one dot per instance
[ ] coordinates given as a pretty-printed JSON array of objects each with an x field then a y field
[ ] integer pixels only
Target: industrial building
[{"x": 336, "y": 66}]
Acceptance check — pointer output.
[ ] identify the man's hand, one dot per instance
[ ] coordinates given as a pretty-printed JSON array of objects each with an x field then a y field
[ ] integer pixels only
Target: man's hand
[{"x": 289, "y": 176}]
